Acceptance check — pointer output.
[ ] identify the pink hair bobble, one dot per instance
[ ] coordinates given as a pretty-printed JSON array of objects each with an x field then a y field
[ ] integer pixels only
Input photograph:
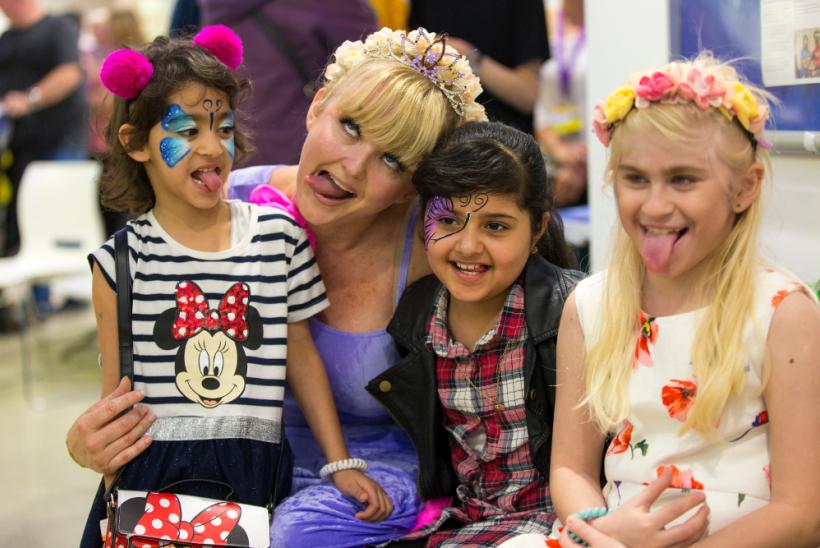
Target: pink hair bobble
[
  {"x": 222, "y": 43},
  {"x": 125, "y": 73}
]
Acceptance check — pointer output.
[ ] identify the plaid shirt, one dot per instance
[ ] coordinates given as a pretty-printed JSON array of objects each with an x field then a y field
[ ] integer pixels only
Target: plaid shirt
[{"x": 501, "y": 493}]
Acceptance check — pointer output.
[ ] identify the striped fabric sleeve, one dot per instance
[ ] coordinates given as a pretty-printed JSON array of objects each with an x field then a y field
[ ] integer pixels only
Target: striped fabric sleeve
[
  {"x": 306, "y": 291},
  {"x": 103, "y": 257}
]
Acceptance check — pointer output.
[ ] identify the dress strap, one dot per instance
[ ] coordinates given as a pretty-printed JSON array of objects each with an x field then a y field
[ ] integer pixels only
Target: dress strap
[{"x": 408, "y": 251}]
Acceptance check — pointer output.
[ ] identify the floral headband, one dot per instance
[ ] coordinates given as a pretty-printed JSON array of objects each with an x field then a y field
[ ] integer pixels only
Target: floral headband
[
  {"x": 706, "y": 87},
  {"x": 125, "y": 72},
  {"x": 425, "y": 53}
]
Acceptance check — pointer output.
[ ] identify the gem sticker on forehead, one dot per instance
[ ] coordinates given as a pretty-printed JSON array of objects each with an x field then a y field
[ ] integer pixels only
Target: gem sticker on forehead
[
  {"x": 441, "y": 208},
  {"x": 175, "y": 120}
]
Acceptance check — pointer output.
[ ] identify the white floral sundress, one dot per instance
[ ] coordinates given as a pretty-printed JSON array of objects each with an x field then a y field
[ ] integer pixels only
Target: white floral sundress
[{"x": 731, "y": 468}]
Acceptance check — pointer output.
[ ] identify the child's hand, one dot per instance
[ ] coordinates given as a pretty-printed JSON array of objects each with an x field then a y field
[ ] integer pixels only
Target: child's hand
[
  {"x": 357, "y": 485},
  {"x": 635, "y": 524}
]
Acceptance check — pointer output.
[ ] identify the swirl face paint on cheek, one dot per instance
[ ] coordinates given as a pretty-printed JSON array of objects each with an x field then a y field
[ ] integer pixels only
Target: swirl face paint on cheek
[{"x": 174, "y": 149}]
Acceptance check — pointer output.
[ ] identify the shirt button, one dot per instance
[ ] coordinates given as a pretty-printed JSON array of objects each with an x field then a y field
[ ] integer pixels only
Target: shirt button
[
  {"x": 385, "y": 386},
  {"x": 532, "y": 393}
]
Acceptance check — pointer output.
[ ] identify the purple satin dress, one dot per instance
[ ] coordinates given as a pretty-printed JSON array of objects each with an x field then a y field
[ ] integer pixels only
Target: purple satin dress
[{"x": 316, "y": 513}]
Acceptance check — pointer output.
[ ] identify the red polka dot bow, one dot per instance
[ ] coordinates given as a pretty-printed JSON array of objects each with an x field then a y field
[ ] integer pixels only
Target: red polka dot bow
[
  {"x": 193, "y": 314},
  {"x": 162, "y": 521}
]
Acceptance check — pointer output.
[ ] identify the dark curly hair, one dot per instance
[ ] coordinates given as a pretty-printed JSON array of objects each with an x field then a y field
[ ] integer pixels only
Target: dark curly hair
[
  {"x": 495, "y": 158},
  {"x": 124, "y": 184}
]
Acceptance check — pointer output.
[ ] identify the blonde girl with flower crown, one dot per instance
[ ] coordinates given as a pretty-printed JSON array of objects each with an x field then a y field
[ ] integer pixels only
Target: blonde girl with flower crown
[{"x": 696, "y": 358}]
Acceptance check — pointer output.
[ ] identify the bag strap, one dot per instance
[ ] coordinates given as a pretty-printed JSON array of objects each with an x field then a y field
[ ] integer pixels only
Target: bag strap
[
  {"x": 122, "y": 258},
  {"x": 273, "y": 33}
]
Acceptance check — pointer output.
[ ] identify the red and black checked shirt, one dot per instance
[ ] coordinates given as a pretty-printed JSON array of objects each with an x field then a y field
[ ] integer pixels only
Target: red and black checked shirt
[{"x": 499, "y": 483}]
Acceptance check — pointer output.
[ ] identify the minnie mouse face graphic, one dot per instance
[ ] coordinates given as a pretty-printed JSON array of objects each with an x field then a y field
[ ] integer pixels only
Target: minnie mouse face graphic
[{"x": 210, "y": 364}]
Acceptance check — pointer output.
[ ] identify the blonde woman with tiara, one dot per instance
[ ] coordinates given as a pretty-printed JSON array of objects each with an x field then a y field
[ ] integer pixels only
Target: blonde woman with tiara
[
  {"x": 384, "y": 104},
  {"x": 696, "y": 358}
]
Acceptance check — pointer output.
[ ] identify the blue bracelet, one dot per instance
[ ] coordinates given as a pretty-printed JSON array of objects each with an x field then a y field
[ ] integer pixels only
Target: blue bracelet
[{"x": 587, "y": 514}]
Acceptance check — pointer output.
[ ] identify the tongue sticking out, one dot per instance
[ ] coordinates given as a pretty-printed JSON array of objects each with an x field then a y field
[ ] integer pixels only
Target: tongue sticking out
[
  {"x": 210, "y": 179},
  {"x": 657, "y": 249},
  {"x": 325, "y": 186}
]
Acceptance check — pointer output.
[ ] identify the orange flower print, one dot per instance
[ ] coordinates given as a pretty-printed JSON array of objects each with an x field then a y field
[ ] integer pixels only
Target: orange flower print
[
  {"x": 553, "y": 542},
  {"x": 778, "y": 297},
  {"x": 623, "y": 441},
  {"x": 682, "y": 478},
  {"x": 646, "y": 338},
  {"x": 620, "y": 443},
  {"x": 678, "y": 397}
]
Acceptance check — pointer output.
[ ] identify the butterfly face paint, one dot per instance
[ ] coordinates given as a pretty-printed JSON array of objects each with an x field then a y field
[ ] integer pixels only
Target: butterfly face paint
[
  {"x": 441, "y": 221},
  {"x": 227, "y": 126},
  {"x": 175, "y": 120},
  {"x": 212, "y": 107}
]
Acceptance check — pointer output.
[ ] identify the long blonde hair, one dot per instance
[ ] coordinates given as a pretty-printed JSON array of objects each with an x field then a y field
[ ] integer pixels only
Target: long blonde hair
[{"x": 718, "y": 347}]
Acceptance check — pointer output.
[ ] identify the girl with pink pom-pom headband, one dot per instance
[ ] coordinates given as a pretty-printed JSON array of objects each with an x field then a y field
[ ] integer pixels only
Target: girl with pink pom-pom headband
[
  {"x": 707, "y": 85},
  {"x": 125, "y": 72}
]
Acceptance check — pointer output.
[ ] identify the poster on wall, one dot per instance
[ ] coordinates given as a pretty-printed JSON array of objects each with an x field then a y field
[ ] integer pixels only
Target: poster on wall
[{"x": 790, "y": 42}]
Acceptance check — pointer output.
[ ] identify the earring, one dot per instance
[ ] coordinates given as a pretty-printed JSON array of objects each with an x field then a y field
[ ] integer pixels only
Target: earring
[{"x": 534, "y": 249}]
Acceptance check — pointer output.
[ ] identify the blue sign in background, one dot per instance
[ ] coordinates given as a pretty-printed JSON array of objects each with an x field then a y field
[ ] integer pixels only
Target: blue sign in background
[{"x": 731, "y": 30}]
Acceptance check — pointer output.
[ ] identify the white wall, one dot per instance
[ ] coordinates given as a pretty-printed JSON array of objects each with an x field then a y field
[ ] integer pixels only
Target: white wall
[{"x": 630, "y": 35}]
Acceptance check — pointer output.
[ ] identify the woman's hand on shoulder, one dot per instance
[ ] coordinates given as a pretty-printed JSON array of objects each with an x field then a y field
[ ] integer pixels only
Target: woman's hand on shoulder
[
  {"x": 103, "y": 440},
  {"x": 635, "y": 524},
  {"x": 366, "y": 490}
]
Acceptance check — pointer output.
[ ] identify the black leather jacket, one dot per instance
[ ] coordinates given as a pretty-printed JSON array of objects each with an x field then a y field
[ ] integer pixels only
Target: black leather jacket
[{"x": 408, "y": 389}]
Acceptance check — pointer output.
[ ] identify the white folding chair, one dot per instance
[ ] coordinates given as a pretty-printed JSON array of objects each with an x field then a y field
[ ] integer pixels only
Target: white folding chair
[{"x": 60, "y": 223}]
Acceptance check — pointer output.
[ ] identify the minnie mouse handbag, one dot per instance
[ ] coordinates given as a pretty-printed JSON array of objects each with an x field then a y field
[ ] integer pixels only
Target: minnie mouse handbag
[{"x": 153, "y": 519}]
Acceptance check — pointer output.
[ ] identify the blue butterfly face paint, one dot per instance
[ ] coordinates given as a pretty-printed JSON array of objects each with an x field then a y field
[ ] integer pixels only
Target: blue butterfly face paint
[
  {"x": 175, "y": 120},
  {"x": 441, "y": 220},
  {"x": 227, "y": 126}
]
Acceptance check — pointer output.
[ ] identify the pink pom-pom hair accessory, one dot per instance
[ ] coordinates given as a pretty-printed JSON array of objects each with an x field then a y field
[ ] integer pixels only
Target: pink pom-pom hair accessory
[
  {"x": 222, "y": 43},
  {"x": 125, "y": 72}
]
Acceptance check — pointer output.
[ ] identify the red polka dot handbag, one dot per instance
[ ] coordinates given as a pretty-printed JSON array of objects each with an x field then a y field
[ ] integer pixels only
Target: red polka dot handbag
[{"x": 153, "y": 519}]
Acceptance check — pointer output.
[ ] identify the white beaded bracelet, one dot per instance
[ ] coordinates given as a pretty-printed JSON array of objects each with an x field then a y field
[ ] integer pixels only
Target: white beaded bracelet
[{"x": 345, "y": 464}]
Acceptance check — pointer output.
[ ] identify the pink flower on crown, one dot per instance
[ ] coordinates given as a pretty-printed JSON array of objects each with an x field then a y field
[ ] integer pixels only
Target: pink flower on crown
[
  {"x": 704, "y": 91},
  {"x": 600, "y": 125},
  {"x": 757, "y": 123},
  {"x": 653, "y": 88}
]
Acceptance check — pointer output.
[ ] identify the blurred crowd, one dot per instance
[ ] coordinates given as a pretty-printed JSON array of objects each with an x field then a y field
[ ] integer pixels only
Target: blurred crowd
[{"x": 529, "y": 55}]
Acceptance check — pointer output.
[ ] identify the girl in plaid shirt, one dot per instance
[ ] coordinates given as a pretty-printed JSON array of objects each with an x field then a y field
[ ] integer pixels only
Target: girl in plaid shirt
[{"x": 475, "y": 388}]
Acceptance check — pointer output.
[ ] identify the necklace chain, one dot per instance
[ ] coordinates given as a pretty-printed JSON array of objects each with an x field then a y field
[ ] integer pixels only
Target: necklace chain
[{"x": 498, "y": 407}]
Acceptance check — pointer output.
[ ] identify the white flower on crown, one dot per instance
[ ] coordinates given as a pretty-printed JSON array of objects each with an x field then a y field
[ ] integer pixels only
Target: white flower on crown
[{"x": 447, "y": 69}]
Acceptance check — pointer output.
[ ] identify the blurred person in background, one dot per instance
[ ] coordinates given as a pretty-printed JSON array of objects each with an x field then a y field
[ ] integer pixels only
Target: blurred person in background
[
  {"x": 287, "y": 45},
  {"x": 41, "y": 89},
  {"x": 506, "y": 43},
  {"x": 107, "y": 29},
  {"x": 43, "y": 97},
  {"x": 559, "y": 111},
  {"x": 42, "y": 92}
]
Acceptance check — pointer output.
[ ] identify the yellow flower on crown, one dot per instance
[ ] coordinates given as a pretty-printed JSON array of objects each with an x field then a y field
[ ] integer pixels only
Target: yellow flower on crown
[
  {"x": 744, "y": 105},
  {"x": 618, "y": 104}
]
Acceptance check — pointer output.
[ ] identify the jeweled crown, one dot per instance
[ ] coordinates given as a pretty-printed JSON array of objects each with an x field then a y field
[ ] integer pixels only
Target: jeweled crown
[{"x": 425, "y": 53}]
